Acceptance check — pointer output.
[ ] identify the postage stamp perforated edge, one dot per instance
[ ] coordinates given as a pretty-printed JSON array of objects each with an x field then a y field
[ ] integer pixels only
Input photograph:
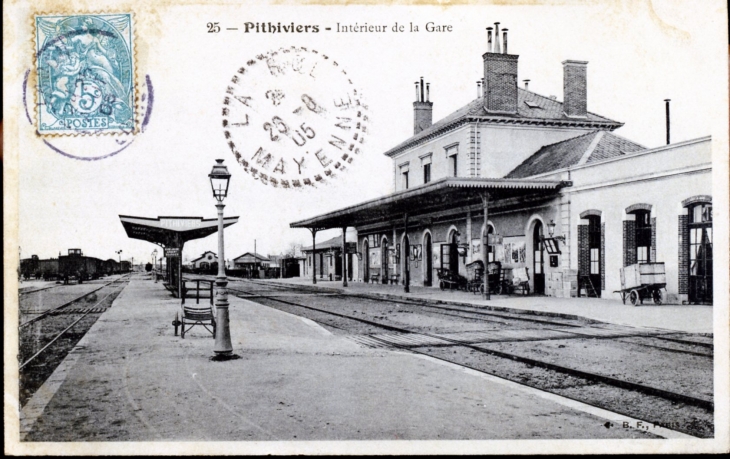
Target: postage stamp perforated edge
[{"x": 33, "y": 81}]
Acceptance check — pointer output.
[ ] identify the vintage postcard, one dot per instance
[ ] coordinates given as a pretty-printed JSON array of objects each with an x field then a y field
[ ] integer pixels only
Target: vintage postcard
[{"x": 365, "y": 227}]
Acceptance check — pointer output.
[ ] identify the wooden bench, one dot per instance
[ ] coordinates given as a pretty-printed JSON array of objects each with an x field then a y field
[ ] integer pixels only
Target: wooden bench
[
  {"x": 374, "y": 275},
  {"x": 394, "y": 279},
  {"x": 200, "y": 312}
]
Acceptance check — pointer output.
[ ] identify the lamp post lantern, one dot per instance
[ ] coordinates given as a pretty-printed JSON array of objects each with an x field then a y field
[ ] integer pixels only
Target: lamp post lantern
[{"x": 219, "y": 180}]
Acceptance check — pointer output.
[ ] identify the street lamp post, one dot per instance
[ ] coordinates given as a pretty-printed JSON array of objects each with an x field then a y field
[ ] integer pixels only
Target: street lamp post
[
  {"x": 219, "y": 180},
  {"x": 119, "y": 252},
  {"x": 154, "y": 263}
]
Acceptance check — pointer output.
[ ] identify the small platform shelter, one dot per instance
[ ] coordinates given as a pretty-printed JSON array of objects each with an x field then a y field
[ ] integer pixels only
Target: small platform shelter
[
  {"x": 416, "y": 209},
  {"x": 171, "y": 233}
]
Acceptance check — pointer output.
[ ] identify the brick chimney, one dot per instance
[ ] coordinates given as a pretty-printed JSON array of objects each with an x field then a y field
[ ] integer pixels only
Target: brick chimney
[
  {"x": 422, "y": 108},
  {"x": 575, "y": 89},
  {"x": 500, "y": 75}
]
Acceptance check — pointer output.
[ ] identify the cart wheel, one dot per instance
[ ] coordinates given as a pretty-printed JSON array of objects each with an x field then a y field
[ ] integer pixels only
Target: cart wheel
[
  {"x": 657, "y": 296},
  {"x": 634, "y": 297},
  {"x": 441, "y": 285}
]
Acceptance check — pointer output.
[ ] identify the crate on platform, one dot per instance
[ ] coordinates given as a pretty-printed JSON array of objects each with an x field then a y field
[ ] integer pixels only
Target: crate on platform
[
  {"x": 570, "y": 285},
  {"x": 570, "y": 272},
  {"x": 642, "y": 273},
  {"x": 572, "y": 294}
]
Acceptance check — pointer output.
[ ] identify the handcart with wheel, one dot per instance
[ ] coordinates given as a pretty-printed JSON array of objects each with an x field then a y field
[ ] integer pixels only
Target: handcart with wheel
[
  {"x": 451, "y": 280},
  {"x": 643, "y": 281}
]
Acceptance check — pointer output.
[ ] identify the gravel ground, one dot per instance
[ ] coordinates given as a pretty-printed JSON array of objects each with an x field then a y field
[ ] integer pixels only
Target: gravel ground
[
  {"x": 35, "y": 336},
  {"x": 539, "y": 338}
]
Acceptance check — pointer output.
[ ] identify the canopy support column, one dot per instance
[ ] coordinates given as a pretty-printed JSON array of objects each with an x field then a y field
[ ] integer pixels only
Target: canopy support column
[
  {"x": 344, "y": 256},
  {"x": 406, "y": 262},
  {"x": 485, "y": 203},
  {"x": 314, "y": 253}
]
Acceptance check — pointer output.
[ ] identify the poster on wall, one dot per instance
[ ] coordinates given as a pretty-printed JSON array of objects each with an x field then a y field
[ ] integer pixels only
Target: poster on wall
[
  {"x": 374, "y": 258},
  {"x": 436, "y": 256},
  {"x": 521, "y": 252},
  {"x": 391, "y": 258},
  {"x": 476, "y": 246}
]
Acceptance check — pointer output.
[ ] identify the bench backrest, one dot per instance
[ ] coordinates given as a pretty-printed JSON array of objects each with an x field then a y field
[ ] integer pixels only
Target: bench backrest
[{"x": 197, "y": 289}]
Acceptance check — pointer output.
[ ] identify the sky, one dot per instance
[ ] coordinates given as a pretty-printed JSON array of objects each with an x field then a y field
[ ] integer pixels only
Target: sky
[{"x": 639, "y": 54}]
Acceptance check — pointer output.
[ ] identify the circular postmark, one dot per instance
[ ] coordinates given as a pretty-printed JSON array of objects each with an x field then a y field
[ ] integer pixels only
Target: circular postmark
[{"x": 293, "y": 117}]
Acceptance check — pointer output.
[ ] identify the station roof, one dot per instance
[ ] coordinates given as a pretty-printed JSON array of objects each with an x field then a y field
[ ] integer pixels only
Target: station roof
[
  {"x": 171, "y": 231},
  {"x": 334, "y": 243},
  {"x": 250, "y": 257},
  {"x": 532, "y": 109},
  {"x": 439, "y": 195}
]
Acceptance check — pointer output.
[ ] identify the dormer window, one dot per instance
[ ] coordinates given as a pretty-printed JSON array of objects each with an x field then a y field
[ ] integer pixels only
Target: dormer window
[
  {"x": 426, "y": 165},
  {"x": 452, "y": 153},
  {"x": 404, "y": 176}
]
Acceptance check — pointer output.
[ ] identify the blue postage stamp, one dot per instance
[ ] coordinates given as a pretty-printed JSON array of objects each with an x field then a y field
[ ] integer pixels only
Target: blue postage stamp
[{"x": 85, "y": 74}]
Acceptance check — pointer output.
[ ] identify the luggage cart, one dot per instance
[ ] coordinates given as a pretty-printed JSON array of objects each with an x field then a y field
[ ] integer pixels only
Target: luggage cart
[{"x": 643, "y": 281}]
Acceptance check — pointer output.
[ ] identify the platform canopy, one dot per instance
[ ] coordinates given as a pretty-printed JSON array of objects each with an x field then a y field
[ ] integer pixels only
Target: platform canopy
[
  {"x": 171, "y": 231},
  {"x": 443, "y": 194}
]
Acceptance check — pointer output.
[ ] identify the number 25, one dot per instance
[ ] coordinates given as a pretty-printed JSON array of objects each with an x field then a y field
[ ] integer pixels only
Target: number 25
[{"x": 213, "y": 27}]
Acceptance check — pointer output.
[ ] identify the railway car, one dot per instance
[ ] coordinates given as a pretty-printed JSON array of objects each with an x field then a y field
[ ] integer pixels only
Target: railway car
[
  {"x": 48, "y": 269},
  {"x": 75, "y": 266}
]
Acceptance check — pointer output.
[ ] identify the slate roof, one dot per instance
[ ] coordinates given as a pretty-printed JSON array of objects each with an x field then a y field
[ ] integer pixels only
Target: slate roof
[
  {"x": 335, "y": 243},
  {"x": 251, "y": 254},
  {"x": 584, "y": 149},
  {"x": 204, "y": 255},
  {"x": 532, "y": 108}
]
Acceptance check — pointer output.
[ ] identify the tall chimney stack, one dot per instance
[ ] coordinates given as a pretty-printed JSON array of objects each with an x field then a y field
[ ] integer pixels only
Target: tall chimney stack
[
  {"x": 575, "y": 89},
  {"x": 527, "y": 84},
  {"x": 496, "y": 38},
  {"x": 504, "y": 41},
  {"x": 666, "y": 101},
  {"x": 489, "y": 39},
  {"x": 499, "y": 90},
  {"x": 422, "y": 108}
]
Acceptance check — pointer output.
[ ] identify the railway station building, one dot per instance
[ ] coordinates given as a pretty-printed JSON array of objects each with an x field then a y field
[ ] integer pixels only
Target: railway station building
[
  {"x": 205, "y": 261},
  {"x": 536, "y": 183},
  {"x": 328, "y": 263}
]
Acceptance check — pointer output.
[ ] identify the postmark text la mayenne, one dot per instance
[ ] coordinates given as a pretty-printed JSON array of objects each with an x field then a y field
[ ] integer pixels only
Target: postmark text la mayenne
[{"x": 293, "y": 117}]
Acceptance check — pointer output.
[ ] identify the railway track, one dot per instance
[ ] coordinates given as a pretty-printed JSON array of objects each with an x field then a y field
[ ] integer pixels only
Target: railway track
[
  {"x": 514, "y": 365},
  {"x": 54, "y": 310},
  {"x": 46, "y": 339}
]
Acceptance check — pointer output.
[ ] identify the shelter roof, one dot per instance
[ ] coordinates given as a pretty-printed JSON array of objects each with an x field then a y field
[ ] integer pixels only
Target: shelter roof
[
  {"x": 446, "y": 193},
  {"x": 532, "y": 108},
  {"x": 587, "y": 148},
  {"x": 251, "y": 255},
  {"x": 334, "y": 243},
  {"x": 203, "y": 256},
  {"x": 171, "y": 231}
]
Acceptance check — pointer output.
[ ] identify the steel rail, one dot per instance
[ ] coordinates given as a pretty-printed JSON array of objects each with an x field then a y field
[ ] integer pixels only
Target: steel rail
[
  {"x": 38, "y": 289},
  {"x": 67, "y": 329},
  {"x": 45, "y": 314},
  {"x": 672, "y": 396}
]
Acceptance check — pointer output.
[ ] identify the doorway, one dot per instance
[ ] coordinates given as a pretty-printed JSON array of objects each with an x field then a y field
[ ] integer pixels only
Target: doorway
[
  {"x": 594, "y": 253},
  {"x": 366, "y": 261},
  {"x": 700, "y": 253},
  {"x": 428, "y": 258},
  {"x": 384, "y": 261},
  {"x": 538, "y": 259}
]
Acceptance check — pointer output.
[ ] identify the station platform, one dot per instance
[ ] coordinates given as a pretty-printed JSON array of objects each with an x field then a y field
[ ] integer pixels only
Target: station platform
[
  {"x": 131, "y": 379},
  {"x": 686, "y": 318}
]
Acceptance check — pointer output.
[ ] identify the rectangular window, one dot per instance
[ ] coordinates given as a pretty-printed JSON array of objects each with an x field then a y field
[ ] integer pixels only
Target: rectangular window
[
  {"x": 454, "y": 166},
  {"x": 426, "y": 173},
  {"x": 405, "y": 180},
  {"x": 595, "y": 259},
  {"x": 642, "y": 254}
]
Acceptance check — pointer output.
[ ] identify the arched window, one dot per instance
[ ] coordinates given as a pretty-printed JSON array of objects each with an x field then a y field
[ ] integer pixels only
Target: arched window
[
  {"x": 643, "y": 236},
  {"x": 699, "y": 225}
]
